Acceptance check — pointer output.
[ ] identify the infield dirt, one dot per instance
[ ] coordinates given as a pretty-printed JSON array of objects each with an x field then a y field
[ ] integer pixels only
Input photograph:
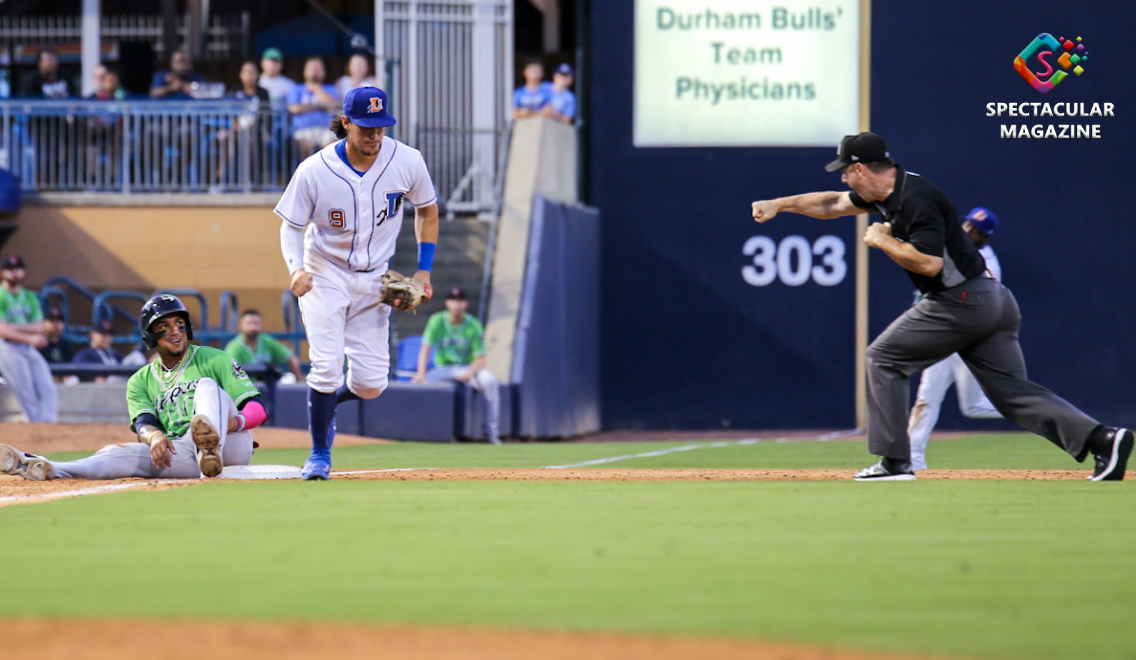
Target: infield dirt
[{"x": 177, "y": 640}]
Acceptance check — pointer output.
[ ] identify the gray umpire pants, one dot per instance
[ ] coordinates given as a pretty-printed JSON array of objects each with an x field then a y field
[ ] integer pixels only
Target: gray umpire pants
[
  {"x": 26, "y": 372},
  {"x": 978, "y": 319}
]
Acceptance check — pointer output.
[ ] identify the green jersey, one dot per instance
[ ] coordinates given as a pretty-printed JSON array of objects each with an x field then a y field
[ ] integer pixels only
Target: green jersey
[
  {"x": 268, "y": 351},
  {"x": 19, "y": 308},
  {"x": 168, "y": 395},
  {"x": 456, "y": 345}
]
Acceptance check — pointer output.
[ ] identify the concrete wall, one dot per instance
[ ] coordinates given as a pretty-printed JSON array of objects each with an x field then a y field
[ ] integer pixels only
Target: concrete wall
[
  {"x": 101, "y": 403},
  {"x": 542, "y": 161},
  {"x": 146, "y": 248}
]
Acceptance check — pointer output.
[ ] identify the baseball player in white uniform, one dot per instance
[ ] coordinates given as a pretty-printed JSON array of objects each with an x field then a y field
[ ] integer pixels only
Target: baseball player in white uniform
[
  {"x": 342, "y": 212},
  {"x": 980, "y": 225}
]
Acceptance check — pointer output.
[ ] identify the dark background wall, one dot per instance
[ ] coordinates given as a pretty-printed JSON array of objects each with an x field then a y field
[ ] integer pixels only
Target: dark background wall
[{"x": 687, "y": 344}]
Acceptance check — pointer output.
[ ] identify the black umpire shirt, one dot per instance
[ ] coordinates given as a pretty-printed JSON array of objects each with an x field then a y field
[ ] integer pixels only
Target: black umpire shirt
[{"x": 922, "y": 215}]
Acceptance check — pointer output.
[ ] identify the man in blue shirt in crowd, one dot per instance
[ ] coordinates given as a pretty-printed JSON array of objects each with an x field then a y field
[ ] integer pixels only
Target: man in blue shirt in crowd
[
  {"x": 176, "y": 82},
  {"x": 310, "y": 103},
  {"x": 561, "y": 101},
  {"x": 534, "y": 95}
]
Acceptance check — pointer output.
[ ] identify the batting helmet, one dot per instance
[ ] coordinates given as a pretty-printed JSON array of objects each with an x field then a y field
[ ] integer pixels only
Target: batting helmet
[{"x": 157, "y": 307}]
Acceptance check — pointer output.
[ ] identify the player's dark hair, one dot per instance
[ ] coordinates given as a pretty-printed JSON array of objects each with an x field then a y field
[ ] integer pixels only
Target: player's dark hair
[
  {"x": 251, "y": 312},
  {"x": 880, "y": 167},
  {"x": 534, "y": 60},
  {"x": 336, "y": 126},
  {"x": 46, "y": 50}
]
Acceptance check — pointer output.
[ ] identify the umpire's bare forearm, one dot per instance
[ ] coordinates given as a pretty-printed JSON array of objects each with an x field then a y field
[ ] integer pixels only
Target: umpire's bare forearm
[{"x": 822, "y": 205}]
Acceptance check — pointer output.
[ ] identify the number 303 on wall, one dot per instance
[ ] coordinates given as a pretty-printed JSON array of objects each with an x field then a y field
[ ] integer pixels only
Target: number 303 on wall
[{"x": 794, "y": 261}]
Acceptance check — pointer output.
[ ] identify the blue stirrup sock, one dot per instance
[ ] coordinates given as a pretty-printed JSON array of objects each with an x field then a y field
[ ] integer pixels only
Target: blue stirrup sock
[
  {"x": 345, "y": 394},
  {"x": 321, "y": 414}
]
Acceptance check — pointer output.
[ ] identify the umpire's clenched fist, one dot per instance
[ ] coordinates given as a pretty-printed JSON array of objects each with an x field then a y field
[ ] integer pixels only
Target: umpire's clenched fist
[
  {"x": 301, "y": 282},
  {"x": 764, "y": 210}
]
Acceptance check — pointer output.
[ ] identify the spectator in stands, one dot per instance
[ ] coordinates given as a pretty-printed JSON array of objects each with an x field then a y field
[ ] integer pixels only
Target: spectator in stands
[
  {"x": 358, "y": 75},
  {"x": 108, "y": 87},
  {"x": 460, "y": 343},
  {"x": 252, "y": 346},
  {"x": 246, "y": 126},
  {"x": 99, "y": 352},
  {"x": 139, "y": 357},
  {"x": 561, "y": 101},
  {"x": 250, "y": 90},
  {"x": 529, "y": 99},
  {"x": 311, "y": 104},
  {"x": 47, "y": 82},
  {"x": 57, "y": 350},
  {"x": 176, "y": 82},
  {"x": 21, "y": 333},
  {"x": 278, "y": 86},
  {"x": 104, "y": 136}
]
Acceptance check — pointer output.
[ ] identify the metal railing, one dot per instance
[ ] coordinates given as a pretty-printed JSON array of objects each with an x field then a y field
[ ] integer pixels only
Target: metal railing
[
  {"x": 198, "y": 146},
  {"x": 146, "y": 146}
]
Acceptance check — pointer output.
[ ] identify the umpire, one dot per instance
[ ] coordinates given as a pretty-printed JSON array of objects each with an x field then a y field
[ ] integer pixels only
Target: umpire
[{"x": 962, "y": 311}]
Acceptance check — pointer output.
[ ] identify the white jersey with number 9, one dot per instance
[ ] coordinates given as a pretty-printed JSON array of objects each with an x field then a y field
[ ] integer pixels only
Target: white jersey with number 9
[{"x": 352, "y": 221}]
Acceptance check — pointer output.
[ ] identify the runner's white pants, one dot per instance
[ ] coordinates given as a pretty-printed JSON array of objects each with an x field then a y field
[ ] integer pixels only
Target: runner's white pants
[
  {"x": 132, "y": 459},
  {"x": 933, "y": 386}
]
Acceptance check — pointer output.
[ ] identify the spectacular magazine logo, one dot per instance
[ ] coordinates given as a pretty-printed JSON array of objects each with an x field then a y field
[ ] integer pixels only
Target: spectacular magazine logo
[
  {"x": 1045, "y": 63},
  {"x": 1044, "y": 46}
]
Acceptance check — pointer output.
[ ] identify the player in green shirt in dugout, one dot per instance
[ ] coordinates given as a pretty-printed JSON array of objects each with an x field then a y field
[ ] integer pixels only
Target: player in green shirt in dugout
[
  {"x": 252, "y": 346},
  {"x": 460, "y": 343}
]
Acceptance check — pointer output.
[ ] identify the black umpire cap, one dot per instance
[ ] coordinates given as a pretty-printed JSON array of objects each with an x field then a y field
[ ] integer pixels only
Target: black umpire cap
[{"x": 862, "y": 148}]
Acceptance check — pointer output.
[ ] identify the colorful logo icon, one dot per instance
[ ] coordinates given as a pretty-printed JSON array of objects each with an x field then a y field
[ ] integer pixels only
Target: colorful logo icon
[{"x": 1043, "y": 46}]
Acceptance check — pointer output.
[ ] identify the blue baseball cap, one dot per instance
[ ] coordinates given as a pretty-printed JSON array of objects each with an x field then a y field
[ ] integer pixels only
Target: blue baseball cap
[
  {"x": 367, "y": 107},
  {"x": 983, "y": 220},
  {"x": 564, "y": 69}
]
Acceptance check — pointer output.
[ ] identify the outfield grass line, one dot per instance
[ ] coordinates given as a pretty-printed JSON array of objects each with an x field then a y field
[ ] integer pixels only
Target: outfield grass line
[{"x": 663, "y": 452}]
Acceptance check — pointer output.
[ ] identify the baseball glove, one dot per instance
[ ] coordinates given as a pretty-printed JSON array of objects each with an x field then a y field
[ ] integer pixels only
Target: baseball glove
[{"x": 404, "y": 293}]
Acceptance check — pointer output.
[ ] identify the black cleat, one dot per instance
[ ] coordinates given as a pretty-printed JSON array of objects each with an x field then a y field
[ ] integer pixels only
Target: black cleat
[
  {"x": 888, "y": 469},
  {"x": 1111, "y": 455}
]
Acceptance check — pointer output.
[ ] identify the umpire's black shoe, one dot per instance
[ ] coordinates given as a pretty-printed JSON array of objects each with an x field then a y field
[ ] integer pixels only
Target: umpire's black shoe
[
  {"x": 888, "y": 469},
  {"x": 1111, "y": 453}
]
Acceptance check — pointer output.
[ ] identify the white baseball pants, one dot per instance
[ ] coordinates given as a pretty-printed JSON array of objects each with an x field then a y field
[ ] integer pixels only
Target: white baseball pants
[
  {"x": 343, "y": 316},
  {"x": 933, "y": 386}
]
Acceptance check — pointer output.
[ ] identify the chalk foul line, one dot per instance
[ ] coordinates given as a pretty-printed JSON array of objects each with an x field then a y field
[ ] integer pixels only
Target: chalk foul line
[{"x": 93, "y": 490}]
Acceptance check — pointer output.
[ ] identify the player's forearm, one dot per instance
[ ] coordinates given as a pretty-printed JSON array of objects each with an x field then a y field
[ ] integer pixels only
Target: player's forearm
[
  {"x": 292, "y": 246},
  {"x": 423, "y": 358},
  {"x": 426, "y": 223},
  {"x": 147, "y": 432},
  {"x": 822, "y": 205},
  {"x": 11, "y": 332},
  {"x": 477, "y": 365},
  {"x": 910, "y": 258}
]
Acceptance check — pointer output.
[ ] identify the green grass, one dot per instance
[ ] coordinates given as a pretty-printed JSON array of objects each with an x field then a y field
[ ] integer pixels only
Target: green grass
[
  {"x": 981, "y": 569},
  {"x": 1015, "y": 450}
]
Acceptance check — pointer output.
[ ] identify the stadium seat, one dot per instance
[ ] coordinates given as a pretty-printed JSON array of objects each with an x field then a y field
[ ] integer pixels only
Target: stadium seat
[{"x": 407, "y": 363}]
